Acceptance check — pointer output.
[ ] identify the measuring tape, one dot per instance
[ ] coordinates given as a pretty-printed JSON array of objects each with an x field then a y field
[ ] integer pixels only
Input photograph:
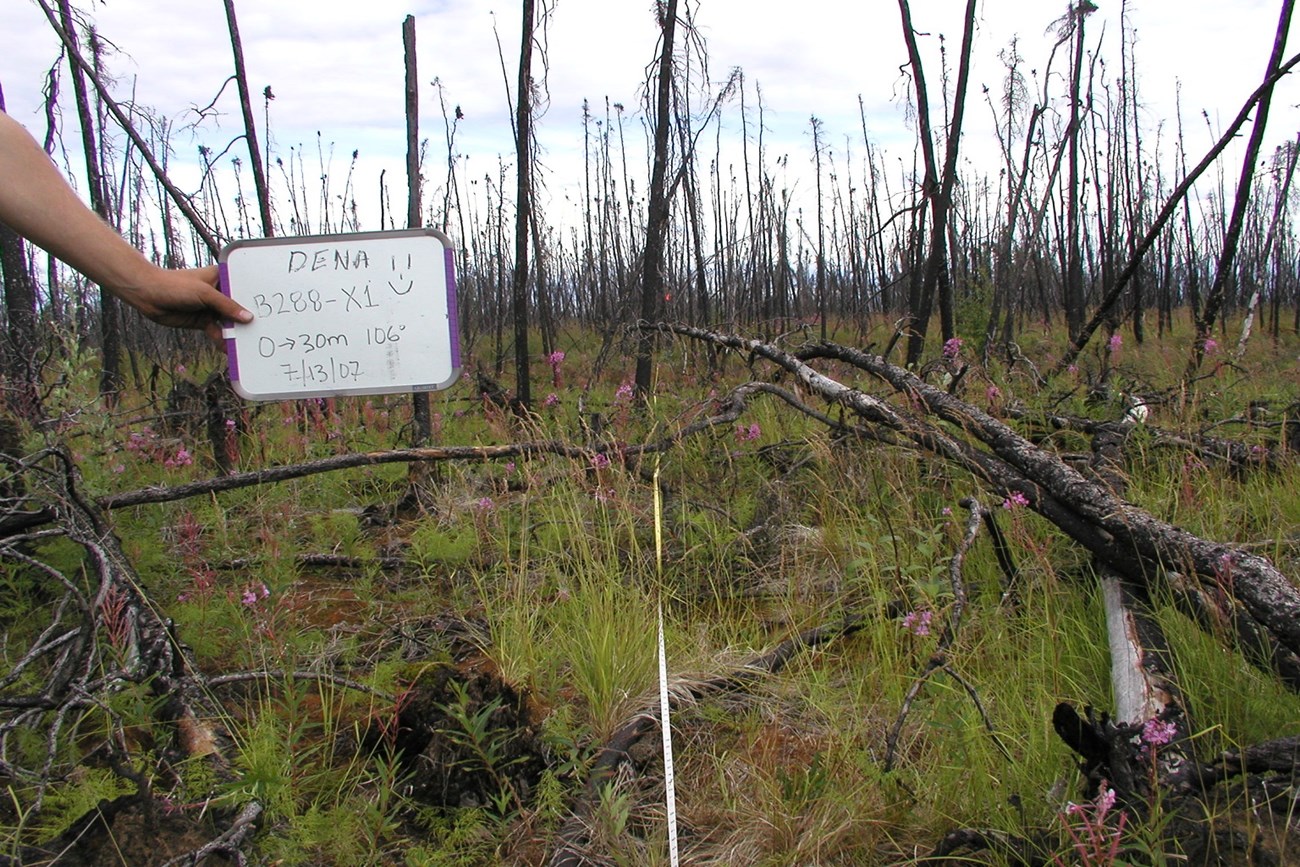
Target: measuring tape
[
  {"x": 670, "y": 793},
  {"x": 665, "y": 718}
]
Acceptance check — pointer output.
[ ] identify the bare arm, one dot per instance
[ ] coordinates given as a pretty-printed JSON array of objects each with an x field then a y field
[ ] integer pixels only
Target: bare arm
[{"x": 37, "y": 202}]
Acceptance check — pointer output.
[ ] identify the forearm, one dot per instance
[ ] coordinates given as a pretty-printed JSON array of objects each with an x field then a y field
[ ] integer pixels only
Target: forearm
[{"x": 37, "y": 202}]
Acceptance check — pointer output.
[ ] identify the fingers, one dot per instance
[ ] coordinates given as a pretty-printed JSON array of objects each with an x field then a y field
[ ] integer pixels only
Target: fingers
[{"x": 221, "y": 304}]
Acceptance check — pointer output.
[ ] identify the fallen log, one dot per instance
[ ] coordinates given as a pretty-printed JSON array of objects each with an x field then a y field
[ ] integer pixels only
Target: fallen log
[
  {"x": 1123, "y": 536},
  {"x": 1269, "y": 596},
  {"x": 1143, "y": 684}
]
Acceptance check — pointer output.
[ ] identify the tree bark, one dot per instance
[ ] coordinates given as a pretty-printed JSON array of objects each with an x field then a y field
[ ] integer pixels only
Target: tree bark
[{"x": 20, "y": 367}]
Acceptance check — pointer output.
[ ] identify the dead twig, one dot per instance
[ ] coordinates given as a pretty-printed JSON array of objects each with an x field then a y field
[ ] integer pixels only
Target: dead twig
[{"x": 939, "y": 660}]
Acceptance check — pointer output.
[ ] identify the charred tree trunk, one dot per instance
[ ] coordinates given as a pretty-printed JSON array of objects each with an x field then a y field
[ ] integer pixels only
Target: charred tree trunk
[
  {"x": 921, "y": 293},
  {"x": 19, "y": 357},
  {"x": 1073, "y": 246},
  {"x": 250, "y": 127},
  {"x": 22, "y": 398},
  {"x": 1224, "y": 272},
  {"x": 523, "y": 206},
  {"x": 420, "y": 400},
  {"x": 935, "y": 279},
  {"x": 652, "y": 262},
  {"x": 201, "y": 229},
  {"x": 110, "y": 316}
]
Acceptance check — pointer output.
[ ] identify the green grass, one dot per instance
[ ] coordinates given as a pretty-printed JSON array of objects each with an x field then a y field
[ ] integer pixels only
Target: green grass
[{"x": 544, "y": 569}]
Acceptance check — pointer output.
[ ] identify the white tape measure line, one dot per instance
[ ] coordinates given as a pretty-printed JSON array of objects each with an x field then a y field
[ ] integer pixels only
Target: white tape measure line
[
  {"x": 665, "y": 718},
  {"x": 670, "y": 793}
]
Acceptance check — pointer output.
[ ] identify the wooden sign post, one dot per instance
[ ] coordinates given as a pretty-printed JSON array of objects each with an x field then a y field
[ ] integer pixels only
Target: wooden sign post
[{"x": 364, "y": 313}]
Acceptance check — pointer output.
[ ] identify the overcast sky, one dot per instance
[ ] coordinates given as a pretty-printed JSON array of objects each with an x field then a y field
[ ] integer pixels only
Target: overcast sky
[{"x": 336, "y": 67}]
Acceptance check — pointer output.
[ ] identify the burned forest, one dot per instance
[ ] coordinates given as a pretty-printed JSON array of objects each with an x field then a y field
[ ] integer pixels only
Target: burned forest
[{"x": 926, "y": 510}]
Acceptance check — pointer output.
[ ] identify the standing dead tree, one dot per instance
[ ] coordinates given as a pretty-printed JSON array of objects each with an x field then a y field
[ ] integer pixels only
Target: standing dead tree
[
  {"x": 935, "y": 188},
  {"x": 414, "y": 193},
  {"x": 250, "y": 127},
  {"x": 1232, "y": 236},
  {"x": 110, "y": 315},
  {"x": 652, "y": 262},
  {"x": 182, "y": 201},
  {"x": 1284, "y": 167},
  {"x": 1074, "y": 295},
  {"x": 523, "y": 204}
]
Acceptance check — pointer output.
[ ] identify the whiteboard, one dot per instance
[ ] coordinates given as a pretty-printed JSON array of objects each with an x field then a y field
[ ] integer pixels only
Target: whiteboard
[{"x": 362, "y": 313}]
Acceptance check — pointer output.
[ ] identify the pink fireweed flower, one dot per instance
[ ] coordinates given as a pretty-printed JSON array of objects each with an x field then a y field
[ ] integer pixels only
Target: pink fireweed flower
[
  {"x": 136, "y": 441},
  {"x": 1094, "y": 841},
  {"x": 182, "y": 459},
  {"x": 1104, "y": 802},
  {"x": 1015, "y": 501},
  {"x": 624, "y": 392},
  {"x": 1210, "y": 346},
  {"x": 486, "y": 504},
  {"x": 555, "y": 359},
  {"x": 918, "y": 622},
  {"x": 1113, "y": 345},
  {"x": 745, "y": 434},
  {"x": 551, "y": 399},
  {"x": 1157, "y": 732},
  {"x": 952, "y": 347},
  {"x": 252, "y": 595},
  {"x": 600, "y": 461}
]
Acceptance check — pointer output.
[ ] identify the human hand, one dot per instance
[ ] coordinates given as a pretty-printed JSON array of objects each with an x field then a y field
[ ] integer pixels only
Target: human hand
[{"x": 184, "y": 298}]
